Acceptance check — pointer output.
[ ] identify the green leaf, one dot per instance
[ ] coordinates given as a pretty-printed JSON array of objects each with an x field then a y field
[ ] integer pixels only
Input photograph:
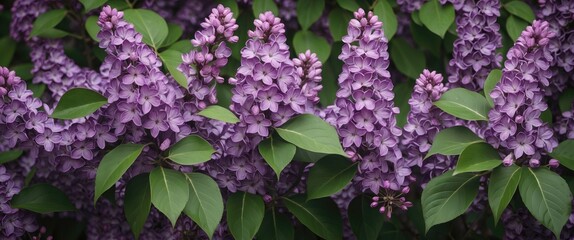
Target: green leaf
[
  {"x": 205, "y": 204},
  {"x": 303, "y": 155},
  {"x": 114, "y": 165},
  {"x": 53, "y": 33},
  {"x": 8, "y": 47},
  {"x": 447, "y": 197},
  {"x": 11, "y": 155},
  {"x": 92, "y": 27},
  {"x": 24, "y": 71},
  {"x": 172, "y": 60},
  {"x": 277, "y": 153},
  {"x": 92, "y": 4},
  {"x": 137, "y": 202},
  {"x": 169, "y": 192},
  {"x": 547, "y": 197},
  {"x": 427, "y": 40},
  {"x": 350, "y": 5},
  {"x": 219, "y": 113},
  {"x": 321, "y": 216},
  {"x": 329, "y": 176},
  {"x": 407, "y": 59},
  {"x": 338, "y": 18},
  {"x": 366, "y": 221},
  {"x": 181, "y": 46},
  {"x": 403, "y": 92},
  {"x": 309, "y": 12},
  {"x": 386, "y": 14},
  {"x": 152, "y": 26},
  {"x": 231, "y": 4},
  {"x": 521, "y": 10},
  {"x": 566, "y": 100},
  {"x": 501, "y": 188},
  {"x": 452, "y": 141},
  {"x": 77, "y": 103},
  {"x": 276, "y": 226},
  {"x": 477, "y": 157},
  {"x": 261, "y": 6},
  {"x": 42, "y": 198},
  {"x": 307, "y": 40},
  {"x": 491, "y": 81},
  {"x": 244, "y": 214},
  {"x": 311, "y": 133},
  {"x": 47, "y": 21},
  {"x": 464, "y": 104},
  {"x": 118, "y": 4},
  {"x": 191, "y": 150},
  {"x": 174, "y": 32},
  {"x": 564, "y": 153},
  {"x": 37, "y": 89},
  {"x": 515, "y": 26},
  {"x": 436, "y": 17}
]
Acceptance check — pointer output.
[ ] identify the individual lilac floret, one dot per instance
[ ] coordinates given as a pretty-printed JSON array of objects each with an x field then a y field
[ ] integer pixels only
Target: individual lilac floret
[
  {"x": 202, "y": 65},
  {"x": 141, "y": 96},
  {"x": 268, "y": 89},
  {"x": 474, "y": 53},
  {"x": 424, "y": 121},
  {"x": 364, "y": 112},
  {"x": 559, "y": 15},
  {"x": 514, "y": 123}
]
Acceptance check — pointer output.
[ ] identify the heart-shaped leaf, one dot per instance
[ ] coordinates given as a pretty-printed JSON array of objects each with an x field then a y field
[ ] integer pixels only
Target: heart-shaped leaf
[
  {"x": 565, "y": 153},
  {"x": 151, "y": 25},
  {"x": 277, "y": 153},
  {"x": 321, "y": 216},
  {"x": 477, "y": 157},
  {"x": 219, "y": 113},
  {"x": 309, "y": 12},
  {"x": 47, "y": 21},
  {"x": 436, "y": 17},
  {"x": 137, "y": 202},
  {"x": 306, "y": 40},
  {"x": 464, "y": 104},
  {"x": 452, "y": 141}
]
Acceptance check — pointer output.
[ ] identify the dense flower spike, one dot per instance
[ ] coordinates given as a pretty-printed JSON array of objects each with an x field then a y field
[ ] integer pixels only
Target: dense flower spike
[
  {"x": 560, "y": 16},
  {"x": 475, "y": 50},
  {"x": 142, "y": 97},
  {"x": 267, "y": 89},
  {"x": 364, "y": 112},
  {"x": 515, "y": 122},
  {"x": 424, "y": 121},
  {"x": 202, "y": 65}
]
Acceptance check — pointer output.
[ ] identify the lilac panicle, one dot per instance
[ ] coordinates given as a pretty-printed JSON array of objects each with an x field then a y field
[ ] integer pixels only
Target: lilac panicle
[
  {"x": 202, "y": 65},
  {"x": 474, "y": 53},
  {"x": 141, "y": 96},
  {"x": 514, "y": 122},
  {"x": 560, "y": 15},
  {"x": 424, "y": 121},
  {"x": 268, "y": 89},
  {"x": 364, "y": 112},
  {"x": 14, "y": 223}
]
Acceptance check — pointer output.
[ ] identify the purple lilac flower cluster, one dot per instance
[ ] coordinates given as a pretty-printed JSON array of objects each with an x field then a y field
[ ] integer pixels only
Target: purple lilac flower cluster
[
  {"x": 560, "y": 15},
  {"x": 424, "y": 121},
  {"x": 202, "y": 66},
  {"x": 474, "y": 53},
  {"x": 267, "y": 89},
  {"x": 364, "y": 112},
  {"x": 15, "y": 222},
  {"x": 141, "y": 96},
  {"x": 514, "y": 122}
]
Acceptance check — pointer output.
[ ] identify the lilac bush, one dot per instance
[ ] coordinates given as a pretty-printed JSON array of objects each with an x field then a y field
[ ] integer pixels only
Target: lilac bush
[{"x": 286, "y": 119}]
